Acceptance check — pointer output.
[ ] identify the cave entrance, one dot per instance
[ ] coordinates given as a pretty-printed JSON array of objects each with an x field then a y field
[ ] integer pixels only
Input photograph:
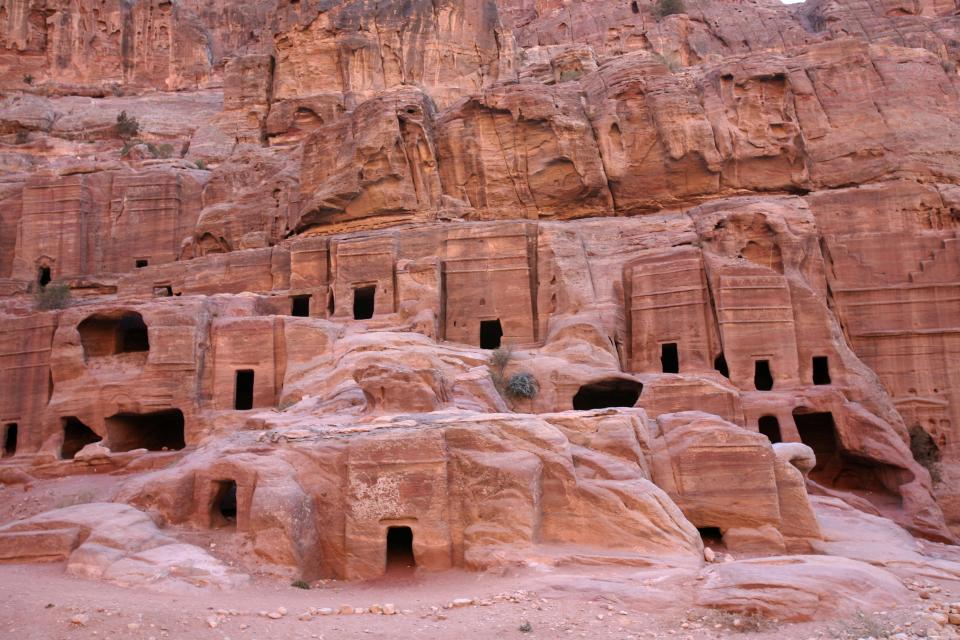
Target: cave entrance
[
  {"x": 243, "y": 390},
  {"x": 720, "y": 365},
  {"x": 106, "y": 336},
  {"x": 76, "y": 436},
  {"x": 711, "y": 536},
  {"x": 400, "y": 549},
  {"x": 140, "y": 264},
  {"x": 819, "y": 432},
  {"x": 821, "y": 370},
  {"x": 223, "y": 508},
  {"x": 669, "y": 357},
  {"x": 43, "y": 276},
  {"x": 770, "y": 427},
  {"x": 10, "y": 440},
  {"x": 612, "y": 392},
  {"x": 491, "y": 331},
  {"x": 363, "y": 302},
  {"x": 762, "y": 376},
  {"x": 846, "y": 471},
  {"x": 300, "y": 306},
  {"x": 157, "y": 431}
]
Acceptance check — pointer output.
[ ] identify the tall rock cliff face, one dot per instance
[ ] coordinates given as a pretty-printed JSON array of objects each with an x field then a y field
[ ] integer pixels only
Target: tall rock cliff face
[{"x": 717, "y": 250}]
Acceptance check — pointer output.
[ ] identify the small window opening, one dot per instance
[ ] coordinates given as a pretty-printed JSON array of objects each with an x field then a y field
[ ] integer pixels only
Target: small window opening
[
  {"x": 76, "y": 436},
  {"x": 762, "y": 376},
  {"x": 43, "y": 276},
  {"x": 491, "y": 331},
  {"x": 634, "y": 7},
  {"x": 300, "y": 306},
  {"x": 162, "y": 291},
  {"x": 363, "y": 302},
  {"x": 400, "y": 549},
  {"x": 613, "y": 392},
  {"x": 720, "y": 364},
  {"x": 821, "y": 370},
  {"x": 330, "y": 303},
  {"x": 770, "y": 427},
  {"x": 223, "y": 511},
  {"x": 156, "y": 431},
  {"x": 10, "y": 440},
  {"x": 669, "y": 358},
  {"x": 140, "y": 264},
  {"x": 243, "y": 390}
]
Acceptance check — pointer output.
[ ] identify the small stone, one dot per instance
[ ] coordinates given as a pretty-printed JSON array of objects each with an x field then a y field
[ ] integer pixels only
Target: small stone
[
  {"x": 375, "y": 608},
  {"x": 953, "y": 618},
  {"x": 359, "y": 610},
  {"x": 325, "y": 611},
  {"x": 133, "y": 626},
  {"x": 462, "y": 602},
  {"x": 282, "y": 611},
  {"x": 212, "y": 622},
  {"x": 939, "y": 618},
  {"x": 345, "y": 609},
  {"x": 389, "y": 609},
  {"x": 305, "y": 616},
  {"x": 709, "y": 555},
  {"x": 80, "y": 619},
  {"x": 274, "y": 615}
]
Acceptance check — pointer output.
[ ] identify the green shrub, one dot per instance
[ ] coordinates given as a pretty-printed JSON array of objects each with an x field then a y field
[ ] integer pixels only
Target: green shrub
[
  {"x": 127, "y": 126},
  {"x": 666, "y": 8},
  {"x": 55, "y": 295},
  {"x": 526, "y": 627},
  {"x": 300, "y": 584},
  {"x": 522, "y": 385}
]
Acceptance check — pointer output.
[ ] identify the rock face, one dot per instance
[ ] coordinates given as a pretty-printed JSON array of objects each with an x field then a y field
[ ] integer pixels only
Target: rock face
[{"x": 507, "y": 280}]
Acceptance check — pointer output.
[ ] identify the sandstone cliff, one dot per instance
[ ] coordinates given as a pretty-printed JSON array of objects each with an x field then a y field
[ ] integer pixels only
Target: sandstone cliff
[{"x": 307, "y": 245}]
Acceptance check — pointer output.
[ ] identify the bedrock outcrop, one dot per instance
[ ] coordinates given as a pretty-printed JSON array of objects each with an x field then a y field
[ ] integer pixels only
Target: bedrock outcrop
[{"x": 528, "y": 282}]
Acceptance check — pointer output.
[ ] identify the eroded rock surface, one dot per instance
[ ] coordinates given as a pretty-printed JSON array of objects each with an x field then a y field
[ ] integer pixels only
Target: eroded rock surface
[{"x": 532, "y": 283}]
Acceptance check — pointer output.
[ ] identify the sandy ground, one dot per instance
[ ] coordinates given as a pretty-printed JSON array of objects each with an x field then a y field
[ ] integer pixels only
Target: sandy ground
[{"x": 42, "y": 602}]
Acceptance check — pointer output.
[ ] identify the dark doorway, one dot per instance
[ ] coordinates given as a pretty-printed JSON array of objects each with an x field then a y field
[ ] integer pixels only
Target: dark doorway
[
  {"x": 300, "y": 306},
  {"x": 613, "y": 392},
  {"x": 819, "y": 432},
  {"x": 243, "y": 390},
  {"x": 10, "y": 440},
  {"x": 363, "y": 302},
  {"x": 770, "y": 427},
  {"x": 720, "y": 365},
  {"x": 400, "y": 549},
  {"x": 140, "y": 264},
  {"x": 223, "y": 510},
  {"x": 821, "y": 370},
  {"x": 157, "y": 431},
  {"x": 133, "y": 334},
  {"x": 76, "y": 436},
  {"x": 762, "y": 376},
  {"x": 490, "y": 334},
  {"x": 634, "y": 7},
  {"x": 669, "y": 358},
  {"x": 43, "y": 276}
]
